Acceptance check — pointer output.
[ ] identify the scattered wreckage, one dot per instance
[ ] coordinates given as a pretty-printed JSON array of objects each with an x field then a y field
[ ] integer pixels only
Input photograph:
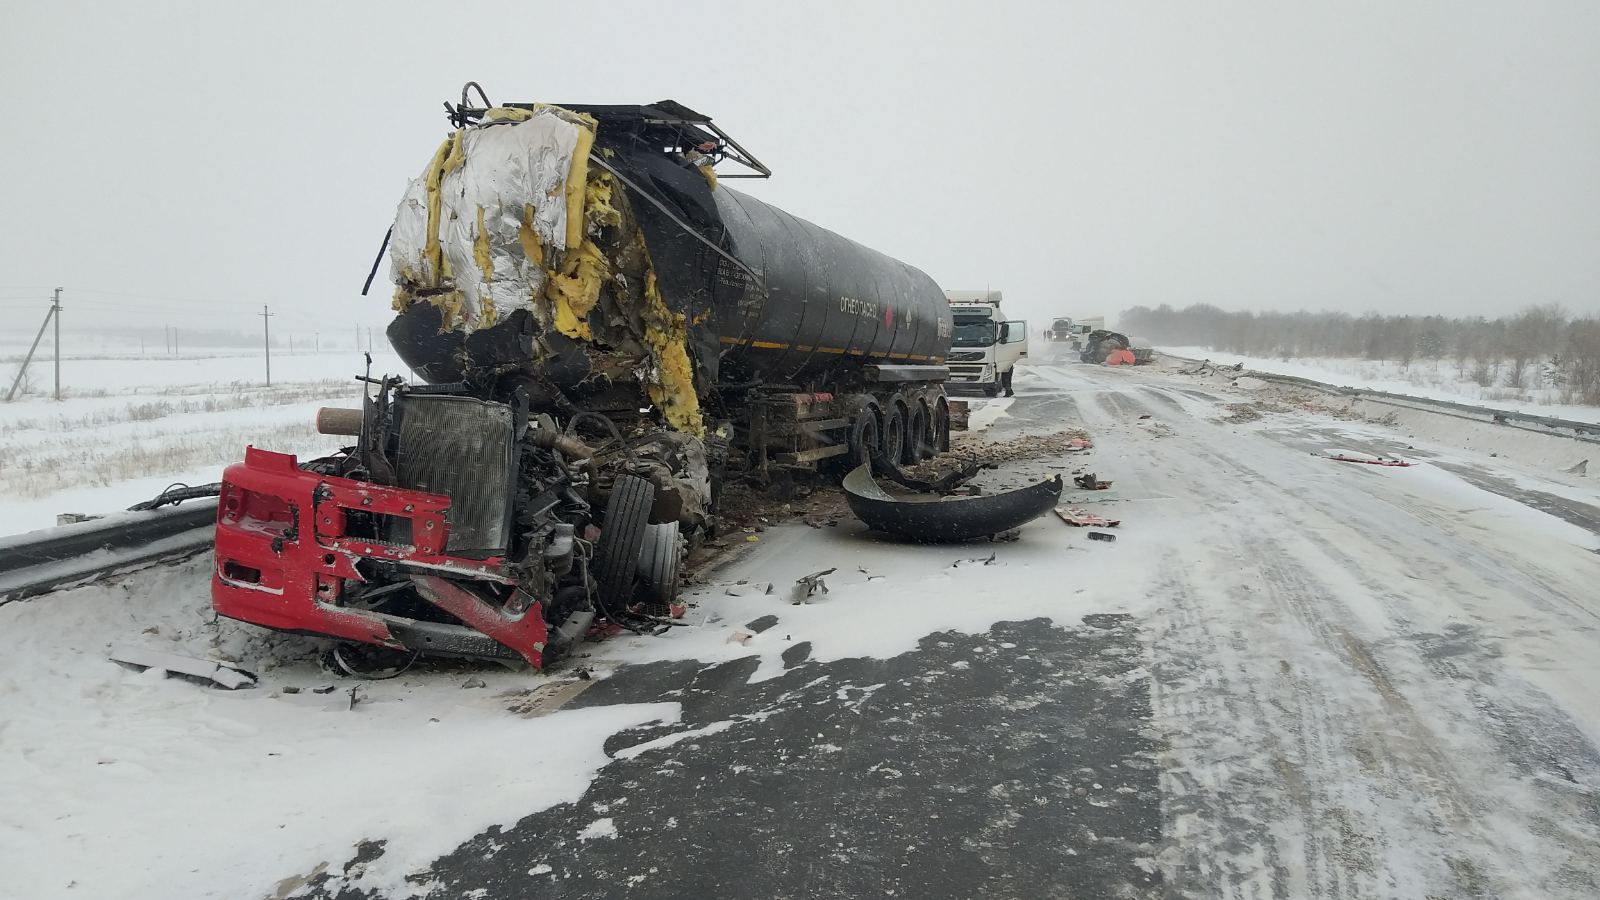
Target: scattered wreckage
[
  {"x": 606, "y": 332},
  {"x": 1113, "y": 349},
  {"x": 934, "y": 517}
]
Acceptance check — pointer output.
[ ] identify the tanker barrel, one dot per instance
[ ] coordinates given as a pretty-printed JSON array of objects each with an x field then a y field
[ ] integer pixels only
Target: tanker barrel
[{"x": 338, "y": 420}]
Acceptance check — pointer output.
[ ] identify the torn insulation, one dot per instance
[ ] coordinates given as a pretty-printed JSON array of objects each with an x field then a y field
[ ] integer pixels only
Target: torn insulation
[{"x": 509, "y": 216}]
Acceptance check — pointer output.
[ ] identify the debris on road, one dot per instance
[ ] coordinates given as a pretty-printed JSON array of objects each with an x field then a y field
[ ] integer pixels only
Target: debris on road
[
  {"x": 989, "y": 452},
  {"x": 1082, "y": 518},
  {"x": 1106, "y": 536},
  {"x": 934, "y": 518},
  {"x": 807, "y": 585},
  {"x": 220, "y": 674},
  {"x": 986, "y": 560},
  {"x": 959, "y": 411},
  {"x": 1089, "y": 482},
  {"x": 1374, "y": 461}
]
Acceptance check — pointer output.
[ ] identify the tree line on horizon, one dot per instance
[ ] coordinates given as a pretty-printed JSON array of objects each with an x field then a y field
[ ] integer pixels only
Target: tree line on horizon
[{"x": 1541, "y": 346}]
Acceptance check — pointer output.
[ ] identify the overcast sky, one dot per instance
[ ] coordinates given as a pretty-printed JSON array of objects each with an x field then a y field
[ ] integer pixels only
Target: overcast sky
[{"x": 1082, "y": 157}]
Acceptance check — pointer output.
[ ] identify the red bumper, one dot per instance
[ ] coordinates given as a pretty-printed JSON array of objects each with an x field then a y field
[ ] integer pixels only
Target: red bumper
[{"x": 283, "y": 556}]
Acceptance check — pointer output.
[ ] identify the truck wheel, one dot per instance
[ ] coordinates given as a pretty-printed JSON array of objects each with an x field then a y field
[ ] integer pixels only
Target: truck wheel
[
  {"x": 916, "y": 449},
  {"x": 894, "y": 433},
  {"x": 941, "y": 428},
  {"x": 862, "y": 441},
  {"x": 658, "y": 568},
  {"x": 616, "y": 554},
  {"x": 992, "y": 390}
]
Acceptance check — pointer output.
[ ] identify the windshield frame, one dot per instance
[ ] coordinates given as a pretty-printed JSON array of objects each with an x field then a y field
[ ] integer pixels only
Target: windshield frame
[{"x": 974, "y": 331}]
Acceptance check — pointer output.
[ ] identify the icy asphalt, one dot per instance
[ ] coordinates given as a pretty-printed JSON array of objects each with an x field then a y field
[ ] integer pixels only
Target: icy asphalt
[{"x": 1347, "y": 681}]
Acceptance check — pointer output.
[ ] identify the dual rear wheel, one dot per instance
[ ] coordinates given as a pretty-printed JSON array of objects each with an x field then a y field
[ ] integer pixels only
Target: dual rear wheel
[{"x": 904, "y": 434}]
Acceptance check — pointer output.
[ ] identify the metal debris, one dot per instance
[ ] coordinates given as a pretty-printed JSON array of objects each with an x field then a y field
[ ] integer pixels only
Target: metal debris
[
  {"x": 1081, "y": 518},
  {"x": 1375, "y": 461},
  {"x": 807, "y": 585},
  {"x": 1089, "y": 482},
  {"x": 220, "y": 674}
]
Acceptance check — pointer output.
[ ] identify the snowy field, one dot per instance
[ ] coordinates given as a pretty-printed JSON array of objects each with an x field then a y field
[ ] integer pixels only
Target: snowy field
[
  {"x": 1433, "y": 379},
  {"x": 127, "y": 426}
]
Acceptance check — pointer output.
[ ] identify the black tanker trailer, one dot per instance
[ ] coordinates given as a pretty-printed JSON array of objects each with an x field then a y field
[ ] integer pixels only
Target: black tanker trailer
[
  {"x": 810, "y": 345},
  {"x": 603, "y": 332}
]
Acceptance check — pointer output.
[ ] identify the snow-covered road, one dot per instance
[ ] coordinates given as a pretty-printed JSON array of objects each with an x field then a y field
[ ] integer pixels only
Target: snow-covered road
[
  {"x": 1289, "y": 677},
  {"x": 1370, "y": 681}
]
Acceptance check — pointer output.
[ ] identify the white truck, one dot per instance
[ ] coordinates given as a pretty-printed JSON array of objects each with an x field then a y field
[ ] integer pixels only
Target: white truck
[{"x": 985, "y": 346}]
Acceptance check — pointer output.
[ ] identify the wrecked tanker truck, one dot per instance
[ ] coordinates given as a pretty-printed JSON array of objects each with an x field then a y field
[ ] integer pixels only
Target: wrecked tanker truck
[{"x": 604, "y": 332}]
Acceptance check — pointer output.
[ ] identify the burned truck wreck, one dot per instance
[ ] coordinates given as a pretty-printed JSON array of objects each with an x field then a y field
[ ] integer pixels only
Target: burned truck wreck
[{"x": 606, "y": 333}]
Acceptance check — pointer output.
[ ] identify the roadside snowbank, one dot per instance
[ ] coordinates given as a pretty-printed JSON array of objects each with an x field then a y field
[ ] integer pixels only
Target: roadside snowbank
[{"x": 1431, "y": 379}]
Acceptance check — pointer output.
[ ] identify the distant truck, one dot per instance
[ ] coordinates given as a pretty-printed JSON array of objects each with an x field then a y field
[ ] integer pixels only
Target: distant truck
[
  {"x": 985, "y": 345},
  {"x": 1070, "y": 331}
]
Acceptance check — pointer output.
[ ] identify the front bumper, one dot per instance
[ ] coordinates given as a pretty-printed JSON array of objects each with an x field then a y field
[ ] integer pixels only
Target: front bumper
[{"x": 969, "y": 377}]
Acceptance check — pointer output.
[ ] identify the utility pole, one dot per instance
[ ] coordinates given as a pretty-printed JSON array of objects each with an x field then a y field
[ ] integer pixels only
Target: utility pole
[
  {"x": 174, "y": 340},
  {"x": 369, "y": 338},
  {"x": 166, "y": 337},
  {"x": 55, "y": 310},
  {"x": 266, "y": 340},
  {"x": 23, "y": 369}
]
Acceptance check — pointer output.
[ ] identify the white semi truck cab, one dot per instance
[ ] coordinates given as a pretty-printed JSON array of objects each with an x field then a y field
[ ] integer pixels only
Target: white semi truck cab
[{"x": 985, "y": 346}]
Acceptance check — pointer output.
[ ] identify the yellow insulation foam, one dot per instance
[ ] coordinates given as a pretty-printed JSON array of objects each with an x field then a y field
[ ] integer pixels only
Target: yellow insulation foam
[
  {"x": 506, "y": 114},
  {"x": 575, "y": 290},
  {"x": 430, "y": 247},
  {"x": 668, "y": 338},
  {"x": 578, "y": 183},
  {"x": 597, "y": 208},
  {"x": 480, "y": 251}
]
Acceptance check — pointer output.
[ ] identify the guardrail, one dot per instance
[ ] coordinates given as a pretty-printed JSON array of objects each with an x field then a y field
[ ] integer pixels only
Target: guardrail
[
  {"x": 1583, "y": 431},
  {"x": 41, "y": 561}
]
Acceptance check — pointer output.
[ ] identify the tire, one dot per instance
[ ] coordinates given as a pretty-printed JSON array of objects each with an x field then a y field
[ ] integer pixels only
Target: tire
[
  {"x": 992, "y": 390},
  {"x": 941, "y": 428},
  {"x": 658, "y": 567},
  {"x": 894, "y": 433},
  {"x": 865, "y": 439},
  {"x": 616, "y": 554},
  {"x": 916, "y": 449}
]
